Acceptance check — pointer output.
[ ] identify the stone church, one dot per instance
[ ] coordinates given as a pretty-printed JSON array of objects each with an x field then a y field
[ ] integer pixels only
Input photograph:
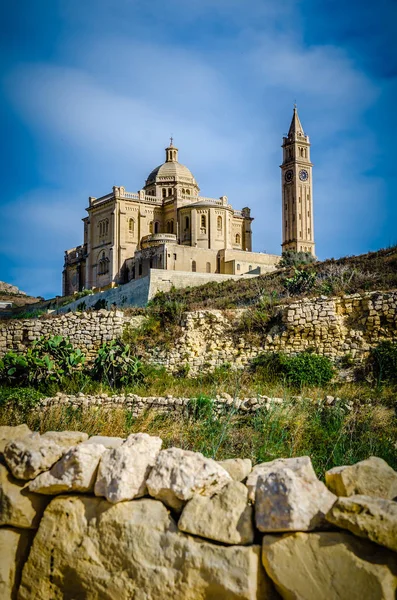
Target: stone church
[{"x": 168, "y": 225}]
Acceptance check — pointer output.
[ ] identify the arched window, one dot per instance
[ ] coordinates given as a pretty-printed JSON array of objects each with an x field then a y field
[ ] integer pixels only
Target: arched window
[
  {"x": 187, "y": 192},
  {"x": 219, "y": 223},
  {"x": 238, "y": 238},
  {"x": 194, "y": 266},
  {"x": 151, "y": 227},
  {"x": 183, "y": 191},
  {"x": 187, "y": 222},
  {"x": 156, "y": 227},
  {"x": 250, "y": 268},
  {"x": 131, "y": 226},
  {"x": 170, "y": 226},
  {"x": 208, "y": 267},
  {"x": 164, "y": 192},
  {"x": 203, "y": 222},
  {"x": 238, "y": 267},
  {"x": 103, "y": 266}
]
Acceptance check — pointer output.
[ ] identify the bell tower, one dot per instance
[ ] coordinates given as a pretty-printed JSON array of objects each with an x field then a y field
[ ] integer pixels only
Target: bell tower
[{"x": 297, "y": 190}]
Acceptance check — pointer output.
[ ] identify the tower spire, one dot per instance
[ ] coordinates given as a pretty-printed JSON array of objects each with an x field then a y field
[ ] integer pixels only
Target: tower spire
[{"x": 296, "y": 126}]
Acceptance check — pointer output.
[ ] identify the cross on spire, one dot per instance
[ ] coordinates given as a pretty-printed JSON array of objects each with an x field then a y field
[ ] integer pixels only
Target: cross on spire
[{"x": 171, "y": 140}]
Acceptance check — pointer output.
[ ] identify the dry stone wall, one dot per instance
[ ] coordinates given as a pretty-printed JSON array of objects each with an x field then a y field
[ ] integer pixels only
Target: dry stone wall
[
  {"x": 104, "y": 517},
  {"x": 330, "y": 326}
]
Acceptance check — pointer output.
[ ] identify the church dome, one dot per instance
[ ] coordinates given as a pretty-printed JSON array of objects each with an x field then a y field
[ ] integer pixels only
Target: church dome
[{"x": 171, "y": 169}]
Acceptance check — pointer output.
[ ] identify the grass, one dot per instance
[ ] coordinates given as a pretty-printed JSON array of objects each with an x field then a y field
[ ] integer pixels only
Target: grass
[
  {"x": 348, "y": 275},
  {"x": 329, "y": 435},
  {"x": 362, "y": 422}
]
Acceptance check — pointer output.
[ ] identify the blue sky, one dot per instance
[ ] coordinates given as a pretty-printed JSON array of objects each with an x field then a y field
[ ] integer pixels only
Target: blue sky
[{"x": 91, "y": 91}]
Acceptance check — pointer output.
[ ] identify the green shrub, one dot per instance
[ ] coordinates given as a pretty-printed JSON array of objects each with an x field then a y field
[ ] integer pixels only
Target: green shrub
[
  {"x": 115, "y": 366},
  {"x": 22, "y": 398},
  {"x": 304, "y": 368},
  {"x": 383, "y": 361},
  {"x": 290, "y": 258},
  {"x": 307, "y": 368},
  {"x": 302, "y": 281}
]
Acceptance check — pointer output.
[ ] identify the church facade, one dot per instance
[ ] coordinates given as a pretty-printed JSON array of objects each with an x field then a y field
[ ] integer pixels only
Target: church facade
[{"x": 168, "y": 225}]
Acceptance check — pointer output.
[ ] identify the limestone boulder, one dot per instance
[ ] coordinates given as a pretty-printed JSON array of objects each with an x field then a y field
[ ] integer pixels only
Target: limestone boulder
[
  {"x": 225, "y": 517},
  {"x": 238, "y": 468},
  {"x": 133, "y": 549},
  {"x": 66, "y": 439},
  {"x": 329, "y": 566},
  {"x": 123, "y": 471},
  {"x": 179, "y": 474},
  {"x": 18, "y": 506},
  {"x": 8, "y": 434},
  {"x": 367, "y": 517},
  {"x": 76, "y": 471},
  {"x": 302, "y": 465},
  {"x": 28, "y": 457},
  {"x": 370, "y": 477},
  {"x": 14, "y": 550},
  {"x": 107, "y": 441},
  {"x": 289, "y": 497}
]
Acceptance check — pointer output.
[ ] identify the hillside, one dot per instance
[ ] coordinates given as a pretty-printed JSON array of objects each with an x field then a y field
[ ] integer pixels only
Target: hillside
[
  {"x": 348, "y": 275},
  {"x": 10, "y": 293}
]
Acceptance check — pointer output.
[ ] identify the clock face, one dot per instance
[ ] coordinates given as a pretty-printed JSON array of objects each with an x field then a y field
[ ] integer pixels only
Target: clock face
[
  {"x": 303, "y": 175},
  {"x": 289, "y": 175}
]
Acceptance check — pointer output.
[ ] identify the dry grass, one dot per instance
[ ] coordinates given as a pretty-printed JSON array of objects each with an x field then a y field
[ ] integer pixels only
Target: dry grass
[{"x": 331, "y": 435}]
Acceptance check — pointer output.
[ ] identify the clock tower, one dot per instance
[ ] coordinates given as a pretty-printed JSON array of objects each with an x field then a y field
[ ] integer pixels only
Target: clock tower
[{"x": 297, "y": 190}]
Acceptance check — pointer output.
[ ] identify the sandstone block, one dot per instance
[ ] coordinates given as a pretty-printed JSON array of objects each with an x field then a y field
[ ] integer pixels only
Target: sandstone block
[
  {"x": 225, "y": 517},
  {"x": 371, "y": 477},
  {"x": 302, "y": 465},
  {"x": 14, "y": 549},
  {"x": 8, "y": 434},
  {"x": 179, "y": 474},
  {"x": 238, "y": 468},
  {"x": 28, "y": 457},
  {"x": 329, "y": 566},
  {"x": 107, "y": 441},
  {"x": 288, "y": 496},
  {"x": 19, "y": 507},
  {"x": 367, "y": 517},
  {"x": 66, "y": 439},
  {"x": 133, "y": 549},
  {"x": 123, "y": 471},
  {"x": 76, "y": 471}
]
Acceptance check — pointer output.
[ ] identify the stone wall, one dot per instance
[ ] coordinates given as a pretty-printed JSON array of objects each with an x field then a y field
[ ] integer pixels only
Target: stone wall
[
  {"x": 104, "y": 517},
  {"x": 87, "y": 331},
  {"x": 330, "y": 326}
]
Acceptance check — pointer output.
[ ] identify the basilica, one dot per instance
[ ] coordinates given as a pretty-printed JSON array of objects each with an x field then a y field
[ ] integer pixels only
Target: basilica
[{"x": 168, "y": 225}]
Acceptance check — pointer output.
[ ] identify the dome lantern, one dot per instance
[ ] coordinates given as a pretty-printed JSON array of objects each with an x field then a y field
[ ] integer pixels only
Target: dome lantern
[{"x": 171, "y": 153}]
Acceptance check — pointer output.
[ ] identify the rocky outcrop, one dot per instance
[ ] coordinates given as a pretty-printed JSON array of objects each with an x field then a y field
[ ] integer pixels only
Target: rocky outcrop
[
  {"x": 225, "y": 517},
  {"x": 123, "y": 471},
  {"x": 329, "y": 566},
  {"x": 288, "y": 496},
  {"x": 179, "y": 525},
  {"x": 19, "y": 507},
  {"x": 129, "y": 550},
  {"x": 75, "y": 472},
  {"x": 179, "y": 474},
  {"x": 367, "y": 517},
  {"x": 371, "y": 477}
]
